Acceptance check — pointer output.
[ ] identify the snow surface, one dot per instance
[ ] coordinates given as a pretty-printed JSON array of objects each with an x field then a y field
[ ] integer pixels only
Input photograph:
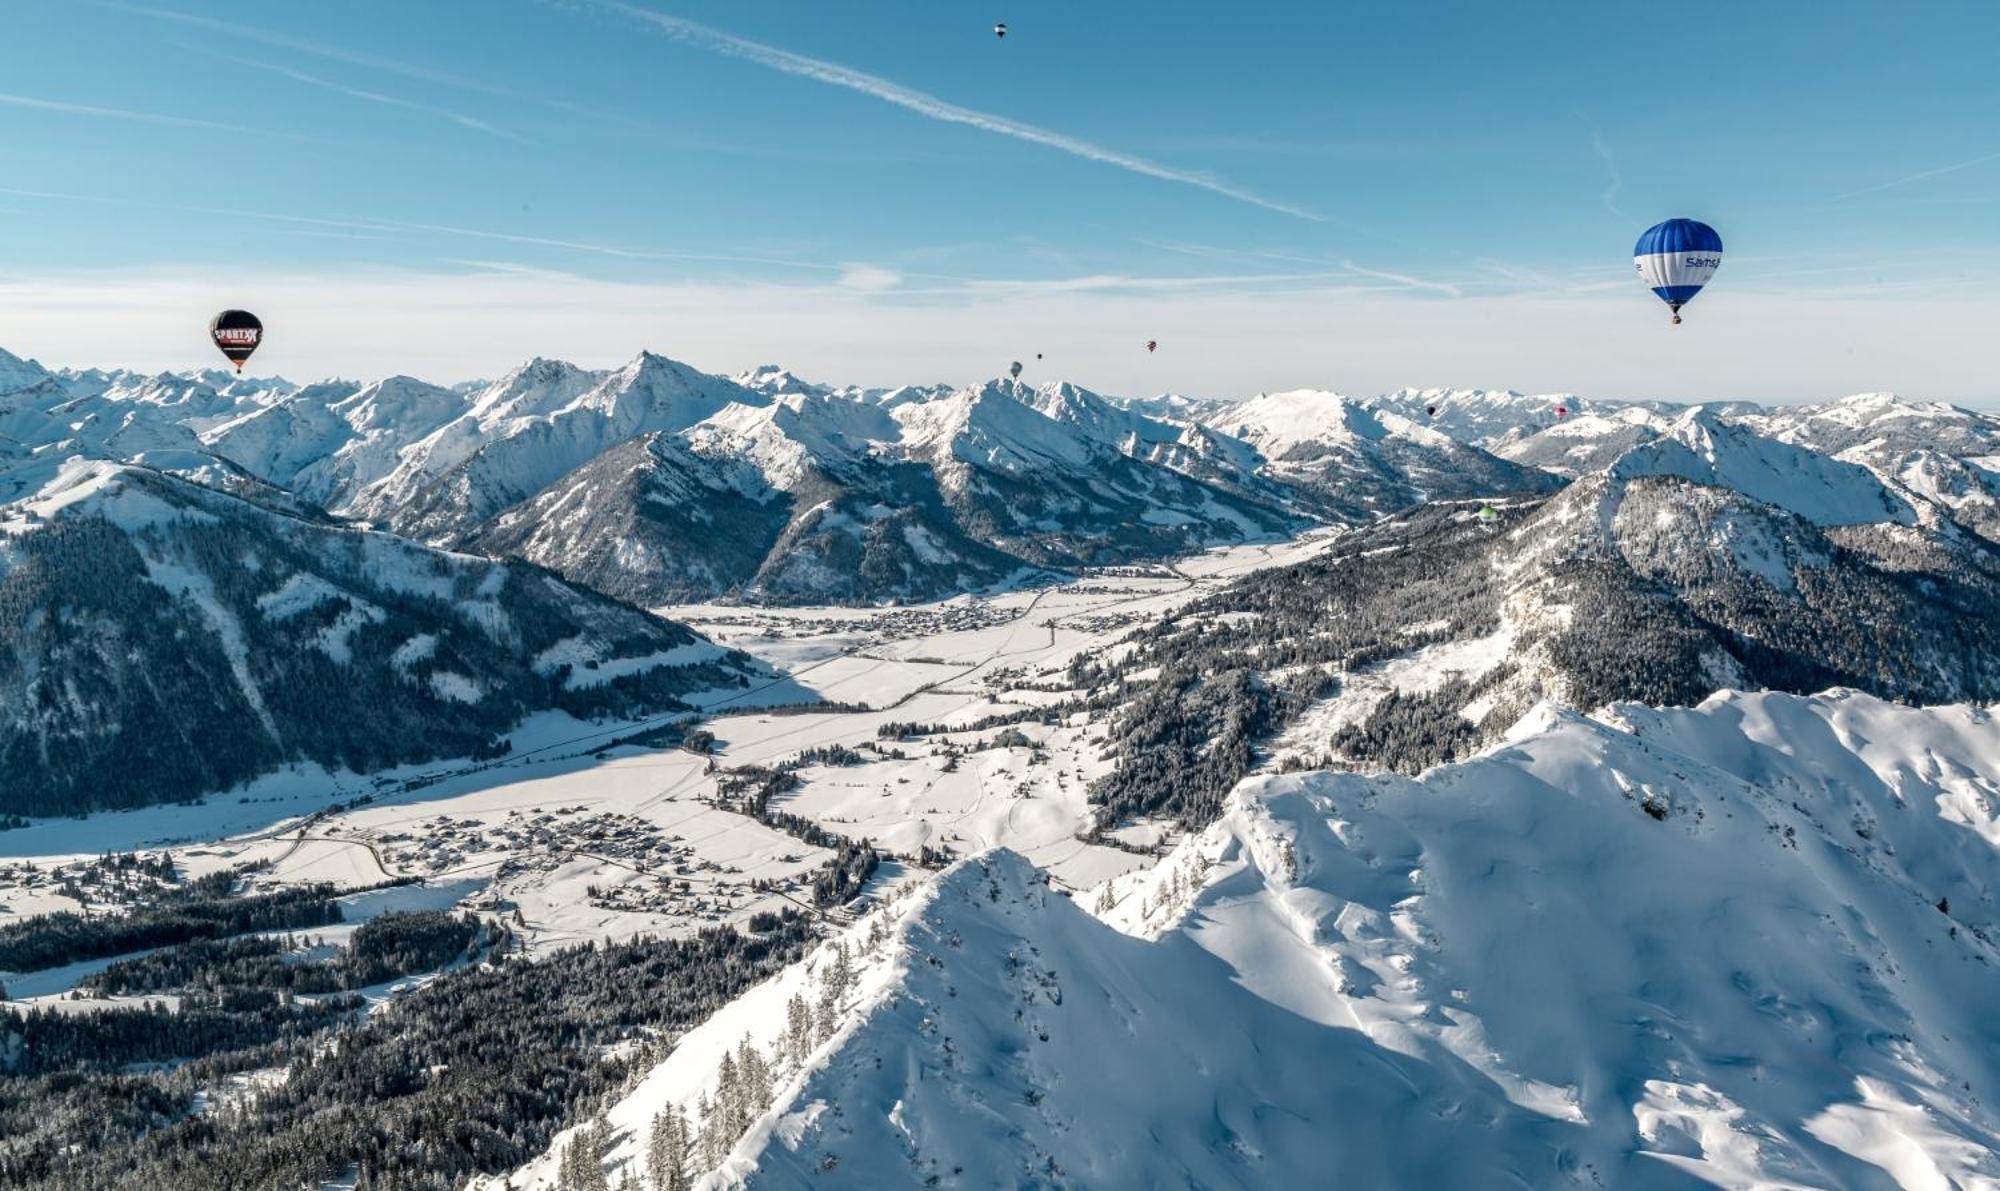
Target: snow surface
[
  {"x": 1649, "y": 949},
  {"x": 949, "y": 662},
  {"x": 1646, "y": 948},
  {"x": 1702, "y": 447}
]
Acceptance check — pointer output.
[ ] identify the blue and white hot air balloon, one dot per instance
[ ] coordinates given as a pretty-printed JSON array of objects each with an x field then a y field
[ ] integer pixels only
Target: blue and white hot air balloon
[{"x": 1677, "y": 258}]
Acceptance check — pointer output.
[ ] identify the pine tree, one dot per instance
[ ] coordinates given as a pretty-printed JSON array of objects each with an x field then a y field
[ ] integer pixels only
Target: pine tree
[
  {"x": 566, "y": 1168},
  {"x": 666, "y": 1153},
  {"x": 755, "y": 1074},
  {"x": 798, "y": 1031},
  {"x": 827, "y": 1014},
  {"x": 729, "y": 1107},
  {"x": 713, "y": 1147},
  {"x": 844, "y": 977},
  {"x": 581, "y": 1167}
]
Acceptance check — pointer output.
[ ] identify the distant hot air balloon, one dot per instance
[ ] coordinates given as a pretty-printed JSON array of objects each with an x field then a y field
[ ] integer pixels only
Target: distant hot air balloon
[
  {"x": 1562, "y": 411},
  {"x": 1151, "y": 344},
  {"x": 1676, "y": 259},
  {"x": 1430, "y": 411},
  {"x": 237, "y": 333},
  {"x": 1000, "y": 29},
  {"x": 1038, "y": 355},
  {"x": 1014, "y": 370}
]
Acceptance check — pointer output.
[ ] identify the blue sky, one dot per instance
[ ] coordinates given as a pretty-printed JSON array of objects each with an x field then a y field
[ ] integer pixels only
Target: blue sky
[{"x": 1339, "y": 195}]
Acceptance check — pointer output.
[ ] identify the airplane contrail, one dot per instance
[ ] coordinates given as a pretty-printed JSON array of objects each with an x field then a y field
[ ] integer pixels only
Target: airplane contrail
[{"x": 934, "y": 108}]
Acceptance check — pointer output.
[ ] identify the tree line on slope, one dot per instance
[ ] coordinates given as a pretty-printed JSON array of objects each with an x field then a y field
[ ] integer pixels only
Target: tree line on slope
[
  {"x": 1679, "y": 595},
  {"x": 681, "y": 1147},
  {"x": 1195, "y": 695}
]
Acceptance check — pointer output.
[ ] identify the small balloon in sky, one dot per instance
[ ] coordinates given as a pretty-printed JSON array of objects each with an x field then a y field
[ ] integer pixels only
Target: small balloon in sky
[
  {"x": 1151, "y": 344},
  {"x": 1014, "y": 370},
  {"x": 1000, "y": 29},
  {"x": 237, "y": 333},
  {"x": 1676, "y": 259}
]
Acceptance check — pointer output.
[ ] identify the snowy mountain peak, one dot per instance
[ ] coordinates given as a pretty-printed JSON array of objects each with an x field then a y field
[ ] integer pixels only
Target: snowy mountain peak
[
  {"x": 1487, "y": 415},
  {"x": 1881, "y": 403},
  {"x": 994, "y": 425},
  {"x": 774, "y": 380},
  {"x": 1411, "y": 428},
  {"x": 1095, "y": 417},
  {"x": 1702, "y": 446},
  {"x": 17, "y": 373},
  {"x": 793, "y": 434},
  {"x": 1661, "y": 947},
  {"x": 1279, "y": 424},
  {"x": 909, "y": 395},
  {"x": 654, "y": 392},
  {"x": 398, "y": 403},
  {"x": 539, "y": 386},
  {"x": 1008, "y": 387}
]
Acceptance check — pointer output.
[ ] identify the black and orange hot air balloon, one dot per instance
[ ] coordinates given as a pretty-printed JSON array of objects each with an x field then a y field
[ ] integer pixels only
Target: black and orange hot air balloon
[{"x": 237, "y": 333}]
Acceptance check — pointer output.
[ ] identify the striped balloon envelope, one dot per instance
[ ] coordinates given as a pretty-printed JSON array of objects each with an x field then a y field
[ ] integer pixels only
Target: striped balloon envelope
[{"x": 1676, "y": 259}]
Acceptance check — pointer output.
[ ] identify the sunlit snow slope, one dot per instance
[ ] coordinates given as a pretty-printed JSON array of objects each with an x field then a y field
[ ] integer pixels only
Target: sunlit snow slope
[{"x": 1751, "y": 943}]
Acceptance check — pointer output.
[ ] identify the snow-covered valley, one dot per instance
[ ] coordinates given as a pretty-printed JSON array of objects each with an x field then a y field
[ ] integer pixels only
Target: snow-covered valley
[
  {"x": 744, "y": 782},
  {"x": 564, "y": 813},
  {"x": 1650, "y": 948}
]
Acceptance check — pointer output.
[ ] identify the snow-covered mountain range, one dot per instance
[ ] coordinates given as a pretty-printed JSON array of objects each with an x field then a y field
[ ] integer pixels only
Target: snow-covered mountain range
[
  {"x": 1745, "y": 944},
  {"x": 1539, "y": 791},
  {"x": 818, "y": 493},
  {"x": 656, "y": 483}
]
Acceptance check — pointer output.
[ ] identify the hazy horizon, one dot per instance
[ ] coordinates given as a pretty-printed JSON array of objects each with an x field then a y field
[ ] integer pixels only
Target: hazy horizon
[{"x": 1357, "y": 200}]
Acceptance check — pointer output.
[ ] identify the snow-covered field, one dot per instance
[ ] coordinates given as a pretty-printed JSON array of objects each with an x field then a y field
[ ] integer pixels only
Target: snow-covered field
[{"x": 570, "y": 841}]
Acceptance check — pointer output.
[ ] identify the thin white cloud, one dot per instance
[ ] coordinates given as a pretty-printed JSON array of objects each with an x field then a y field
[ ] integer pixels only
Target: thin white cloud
[
  {"x": 867, "y": 278},
  {"x": 1113, "y": 282},
  {"x": 459, "y": 118},
  {"x": 1920, "y": 176},
  {"x": 1615, "y": 182},
  {"x": 328, "y": 234},
  {"x": 1520, "y": 274},
  {"x": 1400, "y": 280},
  {"x": 136, "y": 117},
  {"x": 431, "y": 229},
  {"x": 612, "y": 250},
  {"x": 408, "y": 70},
  {"x": 512, "y": 268},
  {"x": 934, "y": 108},
  {"x": 1205, "y": 251},
  {"x": 1405, "y": 280}
]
